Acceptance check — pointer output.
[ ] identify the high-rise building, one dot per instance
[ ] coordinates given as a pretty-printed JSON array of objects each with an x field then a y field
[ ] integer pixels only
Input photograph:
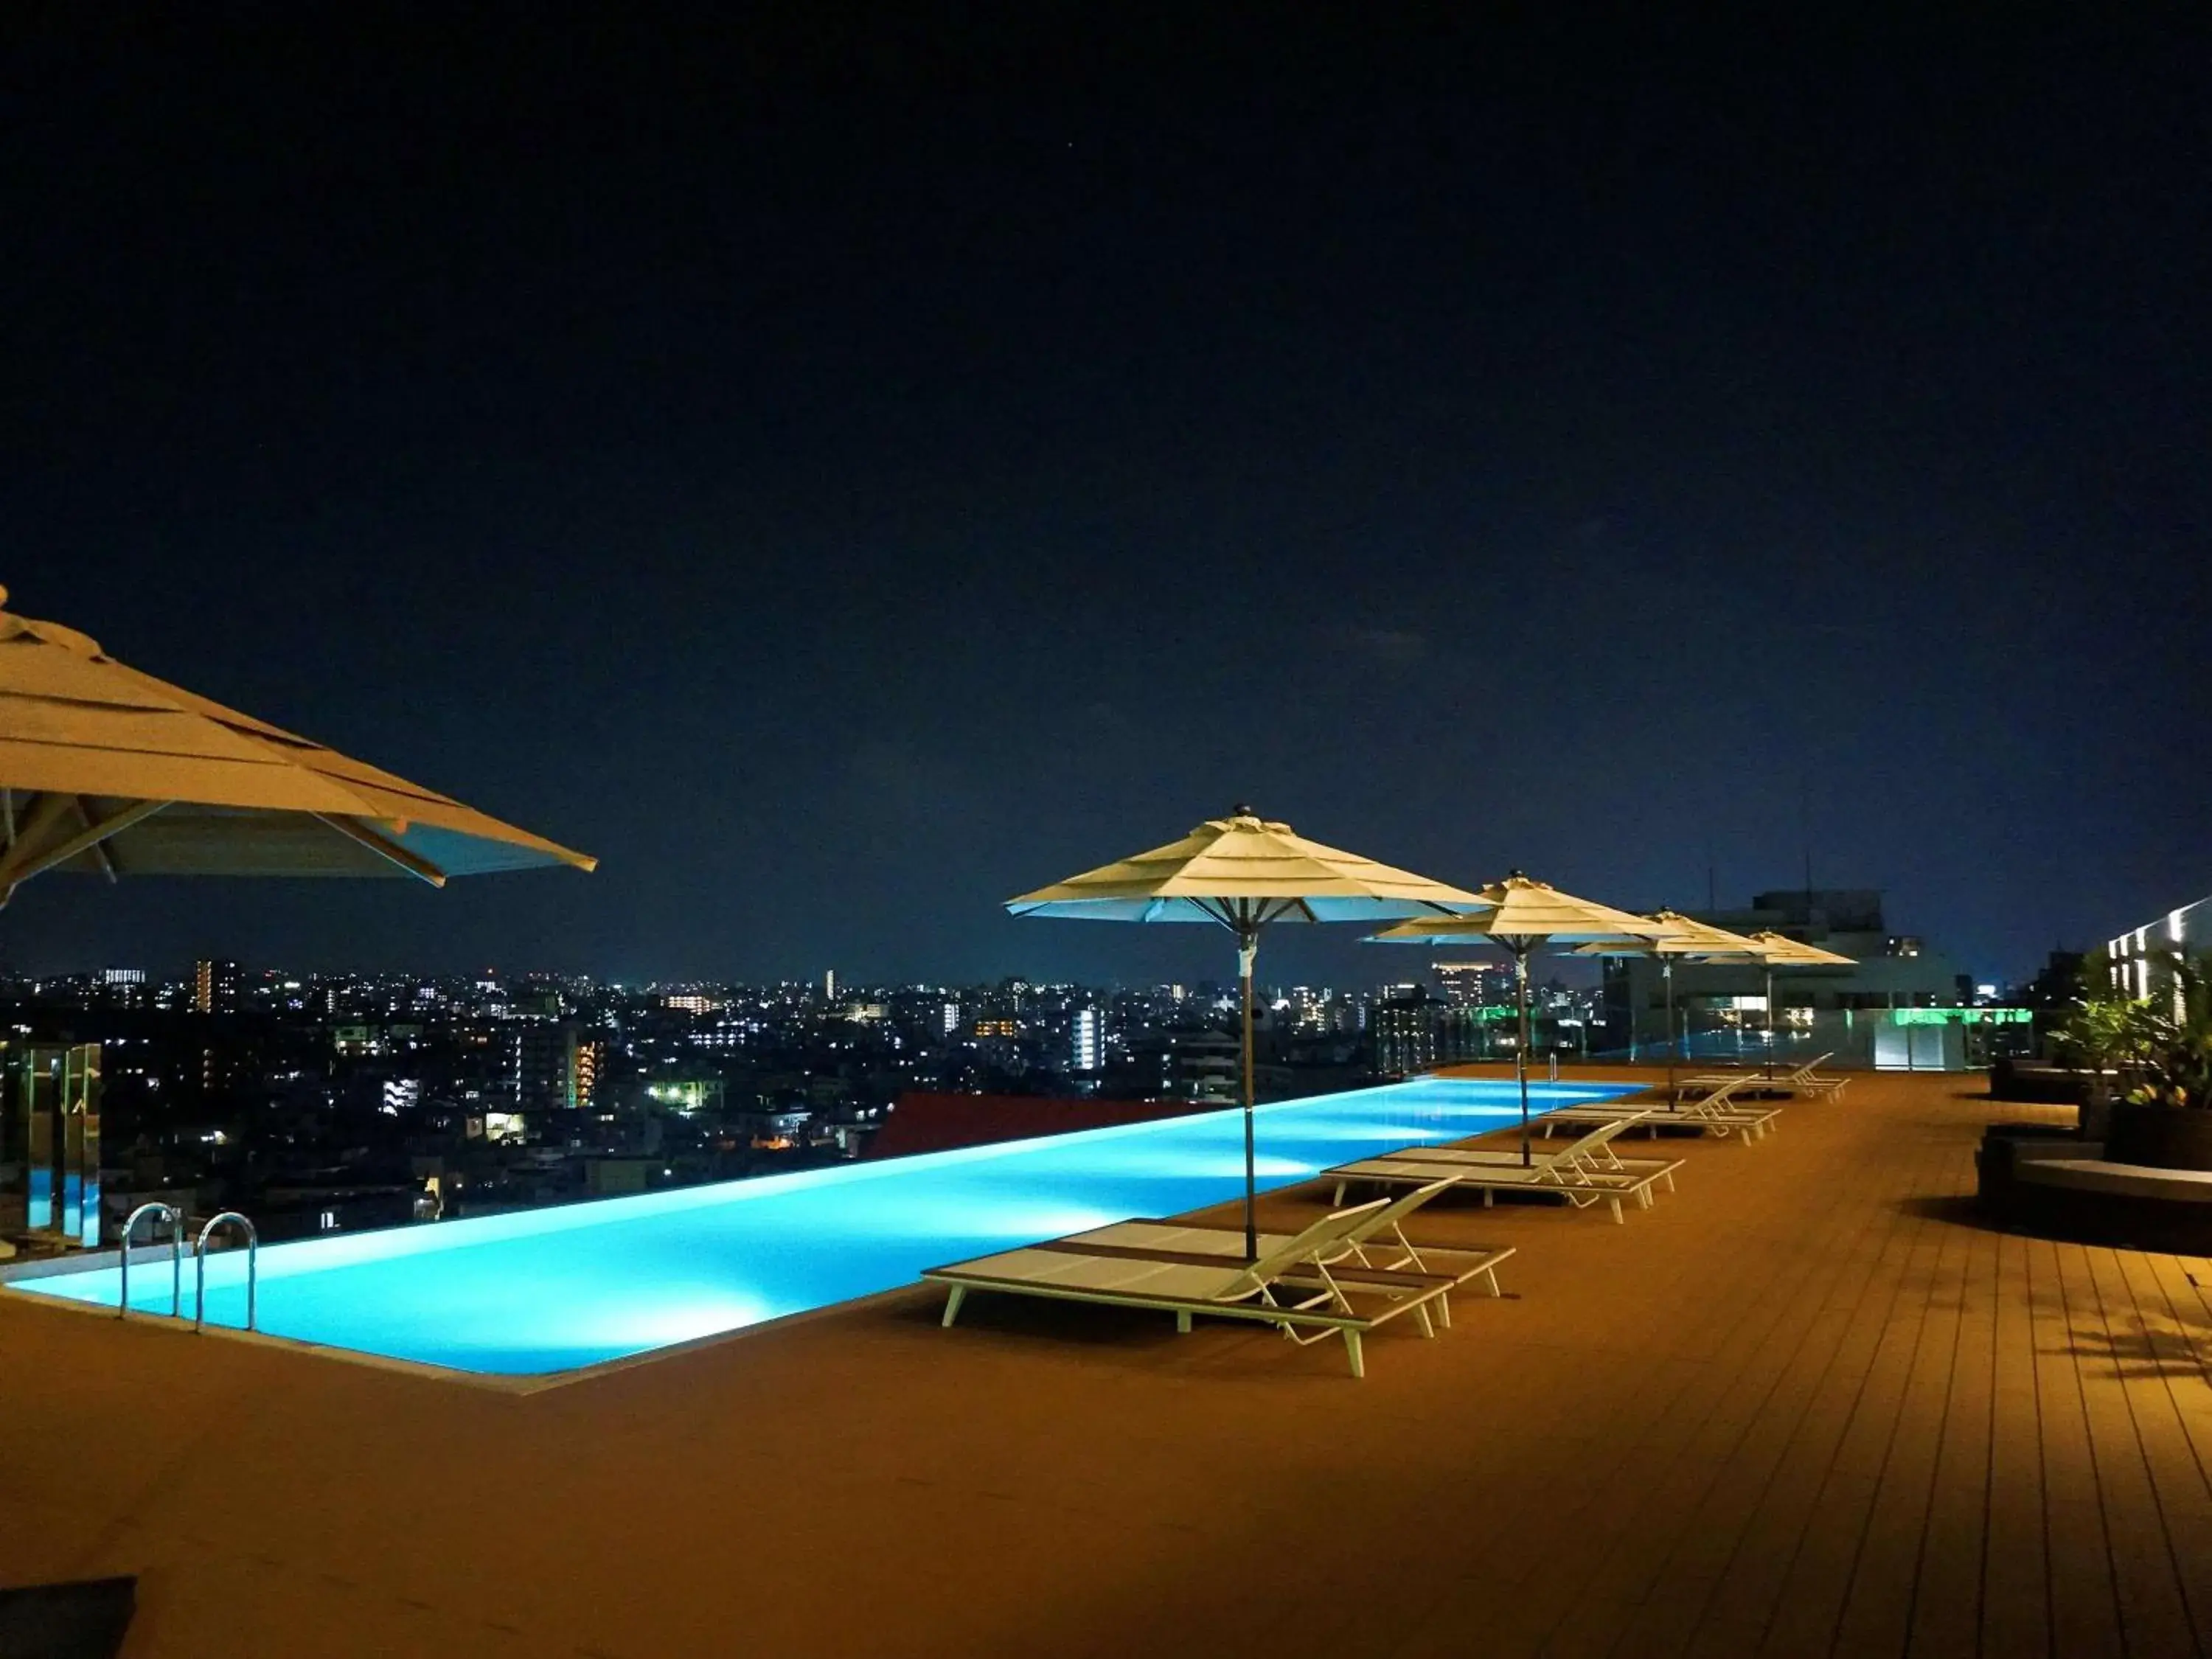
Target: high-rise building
[
  {"x": 215, "y": 987},
  {"x": 829, "y": 985},
  {"x": 1206, "y": 1066},
  {"x": 586, "y": 1059},
  {"x": 2143, "y": 959},
  {"x": 950, "y": 1015},
  {"x": 1413, "y": 1032},
  {"x": 123, "y": 987},
  {"x": 551, "y": 1067},
  {"x": 1473, "y": 984},
  {"x": 1088, "y": 1045},
  {"x": 1308, "y": 1011}
]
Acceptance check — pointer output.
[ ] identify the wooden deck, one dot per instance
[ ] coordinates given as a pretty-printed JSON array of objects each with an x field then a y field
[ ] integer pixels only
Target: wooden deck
[{"x": 1806, "y": 1405}]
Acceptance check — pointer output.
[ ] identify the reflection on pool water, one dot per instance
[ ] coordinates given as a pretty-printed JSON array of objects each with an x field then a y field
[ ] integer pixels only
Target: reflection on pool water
[{"x": 556, "y": 1289}]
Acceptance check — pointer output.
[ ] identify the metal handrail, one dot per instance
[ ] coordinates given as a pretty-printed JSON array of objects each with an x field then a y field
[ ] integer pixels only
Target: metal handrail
[
  {"x": 199, "y": 1254},
  {"x": 176, "y": 1220}
]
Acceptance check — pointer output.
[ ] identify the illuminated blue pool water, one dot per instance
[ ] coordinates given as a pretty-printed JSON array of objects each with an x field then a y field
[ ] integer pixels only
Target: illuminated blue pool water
[{"x": 551, "y": 1290}]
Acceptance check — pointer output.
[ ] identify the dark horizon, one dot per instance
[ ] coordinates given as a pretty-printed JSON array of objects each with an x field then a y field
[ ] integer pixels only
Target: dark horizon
[{"x": 844, "y": 473}]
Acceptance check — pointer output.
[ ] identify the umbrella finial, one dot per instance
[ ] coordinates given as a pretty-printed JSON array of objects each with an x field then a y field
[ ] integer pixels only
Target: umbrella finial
[{"x": 3, "y": 596}]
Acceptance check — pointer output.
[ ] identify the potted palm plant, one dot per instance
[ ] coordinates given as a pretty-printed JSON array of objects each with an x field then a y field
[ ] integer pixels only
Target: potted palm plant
[{"x": 2148, "y": 1062}]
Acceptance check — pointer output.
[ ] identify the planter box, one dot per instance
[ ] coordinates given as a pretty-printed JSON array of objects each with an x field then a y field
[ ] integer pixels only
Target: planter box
[
  {"x": 2006, "y": 1145},
  {"x": 2160, "y": 1137},
  {"x": 2027, "y": 1079},
  {"x": 2060, "y": 1186}
]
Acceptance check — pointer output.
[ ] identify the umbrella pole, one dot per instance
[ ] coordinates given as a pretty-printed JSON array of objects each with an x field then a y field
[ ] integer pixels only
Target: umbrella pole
[
  {"x": 1248, "y": 947},
  {"x": 1770, "y": 1022},
  {"x": 1674, "y": 1047},
  {"x": 1521, "y": 1049}
]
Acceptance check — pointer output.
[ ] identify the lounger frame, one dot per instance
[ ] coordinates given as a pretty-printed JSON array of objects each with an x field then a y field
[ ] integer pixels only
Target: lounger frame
[
  {"x": 1327, "y": 1312},
  {"x": 1719, "y": 1112},
  {"x": 1805, "y": 1080},
  {"x": 1576, "y": 1172},
  {"x": 1324, "y": 1277}
]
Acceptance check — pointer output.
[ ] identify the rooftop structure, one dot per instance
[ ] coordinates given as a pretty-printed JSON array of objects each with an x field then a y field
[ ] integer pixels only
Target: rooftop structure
[{"x": 1717, "y": 1000}]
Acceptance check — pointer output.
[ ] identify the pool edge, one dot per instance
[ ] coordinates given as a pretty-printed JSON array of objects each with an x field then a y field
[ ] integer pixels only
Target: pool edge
[{"x": 518, "y": 1384}]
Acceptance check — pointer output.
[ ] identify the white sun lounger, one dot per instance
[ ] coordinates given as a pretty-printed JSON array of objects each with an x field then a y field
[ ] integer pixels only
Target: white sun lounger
[
  {"x": 1600, "y": 1161},
  {"x": 1308, "y": 1284},
  {"x": 1719, "y": 1112},
  {"x": 1574, "y": 1171},
  {"x": 1805, "y": 1080},
  {"x": 1379, "y": 1242}
]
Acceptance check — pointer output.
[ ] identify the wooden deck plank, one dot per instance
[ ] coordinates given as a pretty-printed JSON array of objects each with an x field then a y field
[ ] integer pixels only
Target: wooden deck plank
[
  {"x": 1819, "y": 1578},
  {"x": 2016, "y": 1599},
  {"x": 1876, "y": 1617},
  {"x": 1559, "y": 1583},
  {"x": 2085, "y": 1609},
  {"x": 2143, "y": 1362},
  {"x": 1741, "y": 1603},
  {"x": 1548, "y": 1573},
  {"x": 1523, "y": 1556},
  {"x": 2187, "y": 1282},
  {"x": 2181, "y": 1332},
  {"x": 1700, "y": 1551},
  {"x": 1946, "y": 1613},
  {"x": 2154, "y": 1619},
  {"x": 1657, "y": 1581}
]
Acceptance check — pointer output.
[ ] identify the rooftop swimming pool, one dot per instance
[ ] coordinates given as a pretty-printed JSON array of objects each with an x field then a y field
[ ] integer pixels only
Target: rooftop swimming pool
[{"x": 553, "y": 1290}]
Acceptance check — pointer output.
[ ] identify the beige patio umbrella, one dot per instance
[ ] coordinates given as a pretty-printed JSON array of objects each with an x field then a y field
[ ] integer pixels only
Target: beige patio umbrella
[
  {"x": 1519, "y": 914},
  {"x": 1780, "y": 950},
  {"x": 1244, "y": 874},
  {"x": 108, "y": 771},
  {"x": 1697, "y": 941}
]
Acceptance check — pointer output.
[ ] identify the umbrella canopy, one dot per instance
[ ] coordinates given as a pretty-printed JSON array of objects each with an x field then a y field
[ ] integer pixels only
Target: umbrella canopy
[
  {"x": 1691, "y": 941},
  {"x": 1520, "y": 914},
  {"x": 1785, "y": 952},
  {"x": 108, "y": 771},
  {"x": 1780, "y": 950},
  {"x": 1240, "y": 868},
  {"x": 1694, "y": 941},
  {"x": 1244, "y": 872}
]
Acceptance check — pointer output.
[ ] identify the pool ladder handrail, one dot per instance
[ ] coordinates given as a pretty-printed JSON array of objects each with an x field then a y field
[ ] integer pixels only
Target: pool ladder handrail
[
  {"x": 199, "y": 1254},
  {"x": 175, "y": 1217}
]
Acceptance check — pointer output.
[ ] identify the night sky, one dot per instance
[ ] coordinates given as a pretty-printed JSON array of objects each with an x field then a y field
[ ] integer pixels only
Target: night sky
[{"x": 844, "y": 470}]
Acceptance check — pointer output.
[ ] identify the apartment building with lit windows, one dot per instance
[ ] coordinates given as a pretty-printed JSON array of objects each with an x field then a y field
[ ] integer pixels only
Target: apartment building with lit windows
[{"x": 2141, "y": 956}]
